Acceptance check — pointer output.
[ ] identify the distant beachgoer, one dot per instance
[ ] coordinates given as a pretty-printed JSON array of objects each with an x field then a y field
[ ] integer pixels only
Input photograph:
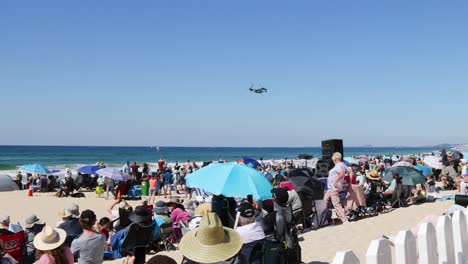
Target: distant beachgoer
[
  {"x": 145, "y": 170},
  {"x": 153, "y": 188},
  {"x": 167, "y": 183},
  {"x": 161, "y": 164},
  {"x": 110, "y": 185},
  {"x": 126, "y": 168},
  {"x": 134, "y": 169}
]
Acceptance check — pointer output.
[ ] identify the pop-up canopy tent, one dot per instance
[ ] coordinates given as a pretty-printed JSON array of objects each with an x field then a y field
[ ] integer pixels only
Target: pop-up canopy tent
[{"x": 7, "y": 184}]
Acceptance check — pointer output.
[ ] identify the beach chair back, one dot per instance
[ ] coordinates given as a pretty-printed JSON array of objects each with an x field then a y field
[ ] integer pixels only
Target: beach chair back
[
  {"x": 13, "y": 244},
  {"x": 137, "y": 236}
]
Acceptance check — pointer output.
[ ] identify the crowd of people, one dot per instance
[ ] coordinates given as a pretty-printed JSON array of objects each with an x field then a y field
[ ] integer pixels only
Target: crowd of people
[{"x": 219, "y": 229}]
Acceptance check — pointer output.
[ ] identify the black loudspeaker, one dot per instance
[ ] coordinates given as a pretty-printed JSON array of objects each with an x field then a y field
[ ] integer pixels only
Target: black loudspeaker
[
  {"x": 321, "y": 168},
  {"x": 461, "y": 200},
  {"x": 331, "y": 146}
]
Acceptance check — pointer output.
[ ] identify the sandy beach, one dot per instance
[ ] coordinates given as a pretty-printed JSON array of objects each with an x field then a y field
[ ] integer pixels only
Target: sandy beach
[{"x": 317, "y": 246}]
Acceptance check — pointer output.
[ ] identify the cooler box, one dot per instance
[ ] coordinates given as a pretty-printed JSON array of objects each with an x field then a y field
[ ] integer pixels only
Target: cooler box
[{"x": 144, "y": 188}]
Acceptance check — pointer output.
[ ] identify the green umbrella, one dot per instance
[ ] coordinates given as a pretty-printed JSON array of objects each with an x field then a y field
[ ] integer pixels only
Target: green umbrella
[{"x": 410, "y": 176}]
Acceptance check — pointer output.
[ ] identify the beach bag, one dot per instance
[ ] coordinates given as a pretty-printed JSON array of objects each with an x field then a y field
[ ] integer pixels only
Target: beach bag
[
  {"x": 272, "y": 251},
  {"x": 99, "y": 190}
]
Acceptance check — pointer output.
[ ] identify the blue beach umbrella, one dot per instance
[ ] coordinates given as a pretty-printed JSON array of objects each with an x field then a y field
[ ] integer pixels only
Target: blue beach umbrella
[
  {"x": 250, "y": 162},
  {"x": 425, "y": 170},
  {"x": 53, "y": 171},
  {"x": 34, "y": 168},
  {"x": 88, "y": 169},
  {"x": 231, "y": 180}
]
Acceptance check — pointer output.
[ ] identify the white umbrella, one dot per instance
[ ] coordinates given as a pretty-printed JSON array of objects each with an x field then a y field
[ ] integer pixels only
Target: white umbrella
[
  {"x": 114, "y": 174},
  {"x": 351, "y": 160},
  {"x": 402, "y": 164},
  {"x": 433, "y": 162}
]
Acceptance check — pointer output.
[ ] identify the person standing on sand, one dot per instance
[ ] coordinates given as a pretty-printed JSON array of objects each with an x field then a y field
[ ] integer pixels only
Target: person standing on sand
[
  {"x": 167, "y": 176},
  {"x": 134, "y": 169},
  {"x": 145, "y": 170},
  {"x": 153, "y": 187},
  {"x": 110, "y": 184},
  {"x": 335, "y": 185},
  {"x": 161, "y": 164},
  {"x": 126, "y": 168}
]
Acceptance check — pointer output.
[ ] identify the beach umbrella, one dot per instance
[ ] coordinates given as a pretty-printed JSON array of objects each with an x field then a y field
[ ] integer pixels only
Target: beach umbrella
[
  {"x": 306, "y": 184},
  {"x": 433, "y": 162},
  {"x": 232, "y": 180},
  {"x": 402, "y": 163},
  {"x": 53, "y": 171},
  {"x": 351, "y": 160},
  {"x": 88, "y": 169},
  {"x": 34, "y": 168},
  {"x": 425, "y": 170},
  {"x": 250, "y": 162},
  {"x": 410, "y": 176},
  {"x": 362, "y": 158},
  {"x": 395, "y": 158},
  {"x": 111, "y": 173}
]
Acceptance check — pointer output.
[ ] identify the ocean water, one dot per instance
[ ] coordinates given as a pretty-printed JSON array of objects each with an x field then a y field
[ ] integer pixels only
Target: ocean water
[{"x": 11, "y": 157}]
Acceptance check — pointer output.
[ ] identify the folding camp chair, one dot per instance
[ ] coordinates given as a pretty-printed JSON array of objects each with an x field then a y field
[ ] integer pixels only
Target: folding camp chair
[
  {"x": 169, "y": 237},
  {"x": 14, "y": 245},
  {"x": 399, "y": 196},
  {"x": 138, "y": 236}
]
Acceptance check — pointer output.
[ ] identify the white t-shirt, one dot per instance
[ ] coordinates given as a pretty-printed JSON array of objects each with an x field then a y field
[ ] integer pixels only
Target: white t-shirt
[
  {"x": 334, "y": 173},
  {"x": 251, "y": 232},
  {"x": 464, "y": 170}
]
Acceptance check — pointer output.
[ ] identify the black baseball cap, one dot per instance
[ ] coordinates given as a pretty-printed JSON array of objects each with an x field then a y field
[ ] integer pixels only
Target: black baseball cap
[
  {"x": 88, "y": 216},
  {"x": 246, "y": 210}
]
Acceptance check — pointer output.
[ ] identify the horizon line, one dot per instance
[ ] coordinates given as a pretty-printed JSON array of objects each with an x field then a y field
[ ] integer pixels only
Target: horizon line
[{"x": 160, "y": 146}]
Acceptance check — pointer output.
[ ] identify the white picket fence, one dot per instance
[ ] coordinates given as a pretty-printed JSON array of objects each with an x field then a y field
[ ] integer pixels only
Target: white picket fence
[{"x": 445, "y": 243}]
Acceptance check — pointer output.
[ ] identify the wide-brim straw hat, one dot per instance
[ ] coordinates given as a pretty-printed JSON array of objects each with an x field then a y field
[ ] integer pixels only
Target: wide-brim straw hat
[
  {"x": 210, "y": 242},
  {"x": 373, "y": 175},
  {"x": 49, "y": 238}
]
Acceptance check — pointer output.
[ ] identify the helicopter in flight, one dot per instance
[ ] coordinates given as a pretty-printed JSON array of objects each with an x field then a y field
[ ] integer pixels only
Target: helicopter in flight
[{"x": 259, "y": 90}]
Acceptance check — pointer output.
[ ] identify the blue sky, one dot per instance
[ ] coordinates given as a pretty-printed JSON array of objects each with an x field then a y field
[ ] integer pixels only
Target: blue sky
[{"x": 177, "y": 73}]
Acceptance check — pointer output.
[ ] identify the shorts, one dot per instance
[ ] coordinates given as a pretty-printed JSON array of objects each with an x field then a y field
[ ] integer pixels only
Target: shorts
[
  {"x": 152, "y": 192},
  {"x": 182, "y": 181}
]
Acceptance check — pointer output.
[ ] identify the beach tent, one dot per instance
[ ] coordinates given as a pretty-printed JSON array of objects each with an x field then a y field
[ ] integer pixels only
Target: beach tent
[{"x": 7, "y": 184}]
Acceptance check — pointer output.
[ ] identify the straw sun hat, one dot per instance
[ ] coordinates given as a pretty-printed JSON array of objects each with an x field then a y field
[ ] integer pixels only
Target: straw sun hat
[
  {"x": 373, "y": 175},
  {"x": 49, "y": 238},
  {"x": 210, "y": 242}
]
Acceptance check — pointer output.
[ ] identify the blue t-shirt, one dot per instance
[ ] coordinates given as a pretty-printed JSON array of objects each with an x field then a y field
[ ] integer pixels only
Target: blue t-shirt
[{"x": 167, "y": 178}]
